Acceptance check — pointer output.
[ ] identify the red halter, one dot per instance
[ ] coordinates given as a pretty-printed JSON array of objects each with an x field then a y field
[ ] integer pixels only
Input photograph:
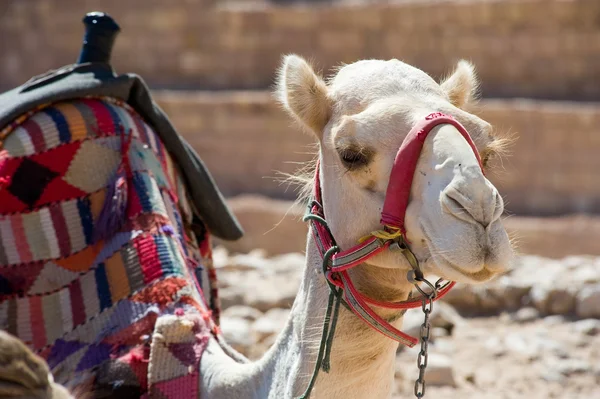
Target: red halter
[{"x": 392, "y": 218}]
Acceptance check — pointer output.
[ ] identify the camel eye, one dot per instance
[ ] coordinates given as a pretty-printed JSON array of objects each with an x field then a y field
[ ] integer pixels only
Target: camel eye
[
  {"x": 353, "y": 159},
  {"x": 485, "y": 160},
  {"x": 486, "y": 156}
]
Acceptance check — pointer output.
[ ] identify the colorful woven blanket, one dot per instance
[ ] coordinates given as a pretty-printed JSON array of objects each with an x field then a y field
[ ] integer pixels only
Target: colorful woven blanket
[{"x": 102, "y": 263}]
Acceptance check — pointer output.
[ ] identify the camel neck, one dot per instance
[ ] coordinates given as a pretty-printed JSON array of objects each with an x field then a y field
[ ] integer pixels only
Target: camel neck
[{"x": 362, "y": 360}]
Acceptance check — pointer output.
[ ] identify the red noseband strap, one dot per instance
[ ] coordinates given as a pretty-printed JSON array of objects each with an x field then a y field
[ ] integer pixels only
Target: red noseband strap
[
  {"x": 397, "y": 195},
  {"x": 392, "y": 218}
]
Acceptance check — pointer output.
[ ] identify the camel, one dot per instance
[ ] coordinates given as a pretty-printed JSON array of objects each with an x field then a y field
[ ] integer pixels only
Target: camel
[{"x": 360, "y": 118}]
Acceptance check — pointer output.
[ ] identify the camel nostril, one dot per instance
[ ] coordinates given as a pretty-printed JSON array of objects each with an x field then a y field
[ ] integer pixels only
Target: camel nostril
[
  {"x": 453, "y": 205},
  {"x": 485, "y": 209},
  {"x": 457, "y": 205}
]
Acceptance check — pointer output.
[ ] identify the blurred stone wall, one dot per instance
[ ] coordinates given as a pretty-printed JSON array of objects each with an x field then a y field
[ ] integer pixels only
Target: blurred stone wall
[
  {"x": 245, "y": 138},
  {"x": 547, "y": 49},
  {"x": 530, "y": 48}
]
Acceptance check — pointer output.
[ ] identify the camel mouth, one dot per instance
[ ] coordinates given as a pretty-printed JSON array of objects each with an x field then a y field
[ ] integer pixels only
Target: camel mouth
[
  {"x": 482, "y": 275},
  {"x": 447, "y": 269}
]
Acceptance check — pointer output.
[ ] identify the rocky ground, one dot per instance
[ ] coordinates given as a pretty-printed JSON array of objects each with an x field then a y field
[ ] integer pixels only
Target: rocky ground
[{"x": 534, "y": 333}]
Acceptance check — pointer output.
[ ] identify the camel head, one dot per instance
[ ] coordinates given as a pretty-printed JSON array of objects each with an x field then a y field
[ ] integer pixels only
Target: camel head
[{"x": 360, "y": 118}]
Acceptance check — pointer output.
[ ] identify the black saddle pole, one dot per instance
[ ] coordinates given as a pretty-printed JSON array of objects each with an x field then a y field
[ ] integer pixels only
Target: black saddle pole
[{"x": 100, "y": 33}]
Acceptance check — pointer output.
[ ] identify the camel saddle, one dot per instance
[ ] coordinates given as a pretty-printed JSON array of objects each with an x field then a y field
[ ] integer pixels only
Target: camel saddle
[{"x": 98, "y": 79}]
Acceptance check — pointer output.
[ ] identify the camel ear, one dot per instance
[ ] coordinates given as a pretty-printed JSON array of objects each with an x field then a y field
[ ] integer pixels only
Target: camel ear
[
  {"x": 462, "y": 85},
  {"x": 303, "y": 93}
]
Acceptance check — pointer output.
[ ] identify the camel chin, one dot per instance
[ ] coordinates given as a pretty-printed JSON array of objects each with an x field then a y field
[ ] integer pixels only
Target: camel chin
[
  {"x": 447, "y": 270},
  {"x": 478, "y": 266}
]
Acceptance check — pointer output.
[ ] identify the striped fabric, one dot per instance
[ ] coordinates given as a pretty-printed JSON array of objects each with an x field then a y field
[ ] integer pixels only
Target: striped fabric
[{"x": 90, "y": 305}]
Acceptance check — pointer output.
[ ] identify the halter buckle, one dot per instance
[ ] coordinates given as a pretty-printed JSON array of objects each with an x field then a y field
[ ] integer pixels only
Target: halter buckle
[{"x": 398, "y": 245}]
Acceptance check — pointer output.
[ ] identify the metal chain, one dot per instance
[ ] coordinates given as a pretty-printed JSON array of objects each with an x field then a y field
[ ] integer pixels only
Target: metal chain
[{"x": 427, "y": 306}]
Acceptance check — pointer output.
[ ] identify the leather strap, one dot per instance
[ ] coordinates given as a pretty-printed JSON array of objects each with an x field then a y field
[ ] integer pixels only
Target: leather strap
[
  {"x": 394, "y": 210},
  {"x": 397, "y": 194},
  {"x": 358, "y": 305}
]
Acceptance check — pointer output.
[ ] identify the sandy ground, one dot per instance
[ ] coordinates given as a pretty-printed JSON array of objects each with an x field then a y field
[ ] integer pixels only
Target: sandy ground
[
  {"x": 524, "y": 348},
  {"x": 499, "y": 358}
]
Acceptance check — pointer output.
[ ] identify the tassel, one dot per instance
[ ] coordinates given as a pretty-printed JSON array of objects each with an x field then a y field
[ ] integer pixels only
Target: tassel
[{"x": 114, "y": 210}]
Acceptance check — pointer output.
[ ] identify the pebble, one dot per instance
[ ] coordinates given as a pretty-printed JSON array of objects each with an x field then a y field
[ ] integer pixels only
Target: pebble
[
  {"x": 237, "y": 333},
  {"x": 438, "y": 332},
  {"x": 550, "y": 299},
  {"x": 444, "y": 345},
  {"x": 587, "y": 326},
  {"x": 517, "y": 343},
  {"x": 445, "y": 316},
  {"x": 526, "y": 314},
  {"x": 495, "y": 346},
  {"x": 270, "y": 323},
  {"x": 561, "y": 301},
  {"x": 552, "y": 376},
  {"x": 439, "y": 371},
  {"x": 588, "y": 301},
  {"x": 270, "y": 291},
  {"x": 572, "y": 366},
  {"x": 463, "y": 299},
  {"x": 241, "y": 311},
  {"x": 554, "y": 320},
  {"x": 587, "y": 275},
  {"x": 231, "y": 296}
]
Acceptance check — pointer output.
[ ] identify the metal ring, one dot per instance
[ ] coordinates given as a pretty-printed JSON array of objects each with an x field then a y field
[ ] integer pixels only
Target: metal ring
[
  {"x": 429, "y": 296},
  {"x": 328, "y": 256},
  {"x": 413, "y": 276}
]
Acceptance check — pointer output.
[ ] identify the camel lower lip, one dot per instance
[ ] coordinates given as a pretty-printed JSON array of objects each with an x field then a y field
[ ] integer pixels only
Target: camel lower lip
[{"x": 482, "y": 274}]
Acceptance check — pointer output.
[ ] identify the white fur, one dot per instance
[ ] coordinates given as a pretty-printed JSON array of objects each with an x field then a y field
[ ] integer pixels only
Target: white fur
[
  {"x": 373, "y": 104},
  {"x": 362, "y": 359}
]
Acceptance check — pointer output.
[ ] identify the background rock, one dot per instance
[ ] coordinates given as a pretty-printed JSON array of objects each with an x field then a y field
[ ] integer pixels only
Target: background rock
[
  {"x": 534, "y": 331},
  {"x": 588, "y": 301},
  {"x": 270, "y": 323},
  {"x": 439, "y": 371},
  {"x": 238, "y": 333},
  {"x": 587, "y": 326},
  {"x": 526, "y": 314},
  {"x": 241, "y": 311}
]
